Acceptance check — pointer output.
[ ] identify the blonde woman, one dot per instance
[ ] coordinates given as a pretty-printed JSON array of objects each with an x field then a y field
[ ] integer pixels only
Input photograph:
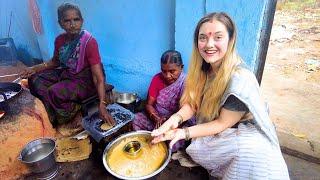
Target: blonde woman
[{"x": 234, "y": 136}]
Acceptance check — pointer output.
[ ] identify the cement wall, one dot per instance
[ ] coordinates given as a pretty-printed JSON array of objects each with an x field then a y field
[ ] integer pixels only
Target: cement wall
[
  {"x": 15, "y": 22},
  {"x": 132, "y": 35},
  {"x": 249, "y": 19}
]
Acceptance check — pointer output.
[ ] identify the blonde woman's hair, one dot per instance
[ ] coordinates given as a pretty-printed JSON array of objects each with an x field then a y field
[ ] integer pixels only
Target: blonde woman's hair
[{"x": 197, "y": 74}]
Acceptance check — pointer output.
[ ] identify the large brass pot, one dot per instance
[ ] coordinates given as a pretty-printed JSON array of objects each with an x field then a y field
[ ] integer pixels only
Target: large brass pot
[{"x": 131, "y": 156}]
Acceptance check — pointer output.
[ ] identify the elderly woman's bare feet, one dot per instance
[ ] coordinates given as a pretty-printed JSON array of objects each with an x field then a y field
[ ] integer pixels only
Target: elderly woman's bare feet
[
  {"x": 76, "y": 122},
  {"x": 72, "y": 127}
]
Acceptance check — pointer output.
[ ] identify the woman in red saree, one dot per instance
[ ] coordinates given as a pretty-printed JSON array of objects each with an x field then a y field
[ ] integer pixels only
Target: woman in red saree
[
  {"x": 164, "y": 95},
  {"x": 73, "y": 74}
]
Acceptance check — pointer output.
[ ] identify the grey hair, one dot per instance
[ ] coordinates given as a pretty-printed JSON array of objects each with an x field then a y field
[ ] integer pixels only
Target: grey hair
[{"x": 67, "y": 6}]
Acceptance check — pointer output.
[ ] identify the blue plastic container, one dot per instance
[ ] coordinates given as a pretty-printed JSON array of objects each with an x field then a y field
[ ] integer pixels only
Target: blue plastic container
[{"x": 8, "y": 52}]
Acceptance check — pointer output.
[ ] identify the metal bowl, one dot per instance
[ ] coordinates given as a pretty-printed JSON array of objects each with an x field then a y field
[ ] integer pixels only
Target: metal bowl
[
  {"x": 38, "y": 155},
  {"x": 132, "y": 148},
  {"x": 127, "y": 100},
  {"x": 132, "y": 154}
]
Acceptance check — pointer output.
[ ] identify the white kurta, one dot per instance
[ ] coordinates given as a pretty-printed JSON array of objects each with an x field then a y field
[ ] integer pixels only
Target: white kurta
[
  {"x": 250, "y": 151},
  {"x": 239, "y": 153}
]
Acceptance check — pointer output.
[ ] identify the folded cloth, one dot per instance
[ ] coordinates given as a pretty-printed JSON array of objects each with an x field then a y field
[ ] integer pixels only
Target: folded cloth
[{"x": 184, "y": 159}]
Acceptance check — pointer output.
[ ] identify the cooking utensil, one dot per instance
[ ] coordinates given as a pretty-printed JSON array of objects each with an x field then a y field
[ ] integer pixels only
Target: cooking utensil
[
  {"x": 38, "y": 155},
  {"x": 8, "y": 75},
  {"x": 131, "y": 154},
  {"x": 92, "y": 123},
  {"x": 127, "y": 100},
  {"x": 132, "y": 148},
  {"x": 8, "y": 90}
]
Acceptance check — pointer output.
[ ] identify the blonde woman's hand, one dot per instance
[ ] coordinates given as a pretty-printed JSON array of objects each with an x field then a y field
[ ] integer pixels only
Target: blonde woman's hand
[
  {"x": 171, "y": 123},
  {"x": 27, "y": 72},
  {"x": 173, "y": 135}
]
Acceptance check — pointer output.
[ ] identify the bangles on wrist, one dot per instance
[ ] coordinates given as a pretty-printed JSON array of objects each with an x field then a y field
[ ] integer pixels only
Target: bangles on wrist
[
  {"x": 153, "y": 115},
  {"x": 180, "y": 118},
  {"x": 104, "y": 102},
  {"x": 187, "y": 133}
]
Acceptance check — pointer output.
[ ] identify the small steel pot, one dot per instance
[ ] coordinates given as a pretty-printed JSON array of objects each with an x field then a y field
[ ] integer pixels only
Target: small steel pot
[
  {"x": 38, "y": 155},
  {"x": 128, "y": 100}
]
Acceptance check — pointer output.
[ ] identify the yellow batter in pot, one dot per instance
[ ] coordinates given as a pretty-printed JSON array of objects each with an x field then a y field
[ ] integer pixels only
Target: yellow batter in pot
[{"x": 148, "y": 159}]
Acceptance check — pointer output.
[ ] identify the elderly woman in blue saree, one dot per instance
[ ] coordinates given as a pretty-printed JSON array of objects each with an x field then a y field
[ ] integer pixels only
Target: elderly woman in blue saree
[
  {"x": 164, "y": 95},
  {"x": 73, "y": 74}
]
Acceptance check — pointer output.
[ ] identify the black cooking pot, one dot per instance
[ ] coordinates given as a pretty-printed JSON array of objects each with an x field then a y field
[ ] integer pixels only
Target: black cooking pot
[{"x": 7, "y": 91}]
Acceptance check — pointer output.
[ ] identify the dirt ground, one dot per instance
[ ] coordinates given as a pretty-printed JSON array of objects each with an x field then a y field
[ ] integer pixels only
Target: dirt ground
[{"x": 291, "y": 75}]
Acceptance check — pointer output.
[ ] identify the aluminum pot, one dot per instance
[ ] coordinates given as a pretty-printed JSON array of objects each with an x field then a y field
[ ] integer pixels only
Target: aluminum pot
[
  {"x": 38, "y": 155},
  {"x": 134, "y": 151},
  {"x": 127, "y": 100}
]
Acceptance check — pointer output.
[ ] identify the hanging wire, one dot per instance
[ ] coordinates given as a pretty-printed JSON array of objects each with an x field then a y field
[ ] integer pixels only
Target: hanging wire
[
  {"x": 9, "y": 28},
  {"x": 25, "y": 34}
]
